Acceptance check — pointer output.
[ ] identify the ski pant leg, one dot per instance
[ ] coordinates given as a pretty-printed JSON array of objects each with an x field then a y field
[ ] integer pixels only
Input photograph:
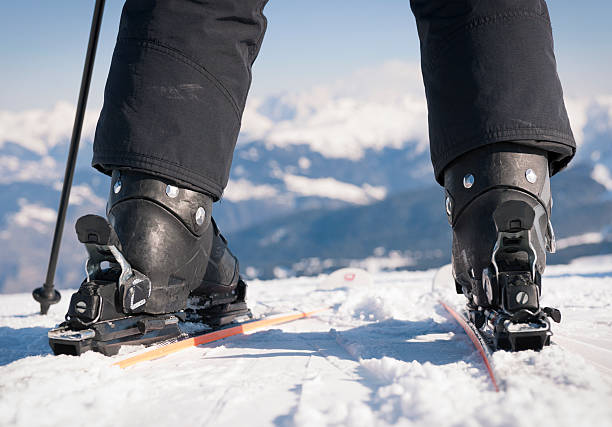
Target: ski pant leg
[
  {"x": 177, "y": 88},
  {"x": 490, "y": 76}
]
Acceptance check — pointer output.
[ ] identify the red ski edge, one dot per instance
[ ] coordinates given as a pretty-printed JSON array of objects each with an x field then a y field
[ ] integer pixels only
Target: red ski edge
[{"x": 476, "y": 340}]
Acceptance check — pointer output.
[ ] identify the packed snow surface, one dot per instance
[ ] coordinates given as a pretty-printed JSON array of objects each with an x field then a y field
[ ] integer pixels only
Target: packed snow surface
[{"x": 386, "y": 354}]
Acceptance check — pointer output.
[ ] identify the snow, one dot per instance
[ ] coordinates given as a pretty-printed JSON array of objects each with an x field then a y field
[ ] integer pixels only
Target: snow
[
  {"x": 33, "y": 215},
  {"x": 82, "y": 194},
  {"x": 242, "y": 189},
  {"x": 304, "y": 163},
  {"x": 347, "y": 127},
  {"x": 334, "y": 189},
  {"x": 14, "y": 169},
  {"x": 602, "y": 175},
  {"x": 373, "y": 108},
  {"x": 40, "y": 130},
  {"x": 387, "y": 354},
  {"x": 394, "y": 260},
  {"x": 581, "y": 239}
]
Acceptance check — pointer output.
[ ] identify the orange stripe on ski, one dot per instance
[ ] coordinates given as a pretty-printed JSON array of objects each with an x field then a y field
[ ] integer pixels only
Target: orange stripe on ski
[
  {"x": 165, "y": 350},
  {"x": 479, "y": 346}
]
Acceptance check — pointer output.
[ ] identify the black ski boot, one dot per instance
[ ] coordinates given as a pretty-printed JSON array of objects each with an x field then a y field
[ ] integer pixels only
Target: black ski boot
[
  {"x": 143, "y": 264},
  {"x": 498, "y": 202}
]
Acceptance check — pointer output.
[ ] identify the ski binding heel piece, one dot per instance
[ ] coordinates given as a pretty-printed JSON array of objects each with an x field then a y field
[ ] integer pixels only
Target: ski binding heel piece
[
  {"x": 216, "y": 311},
  {"x": 512, "y": 284},
  {"x": 521, "y": 331},
  {"x": 108, "y": 337}
]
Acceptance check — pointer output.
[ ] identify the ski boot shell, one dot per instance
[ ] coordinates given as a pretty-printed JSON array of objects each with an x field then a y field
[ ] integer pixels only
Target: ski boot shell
[
  {"x": 159, "y": 245},
  {"x": 221, "y": 296},
  {"x": 165, "y": 232},
  {"x": 498, "y": 202}
]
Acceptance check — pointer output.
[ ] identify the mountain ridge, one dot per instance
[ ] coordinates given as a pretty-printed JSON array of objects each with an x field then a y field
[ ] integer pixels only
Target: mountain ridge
[{"x": 342, "y": 146}]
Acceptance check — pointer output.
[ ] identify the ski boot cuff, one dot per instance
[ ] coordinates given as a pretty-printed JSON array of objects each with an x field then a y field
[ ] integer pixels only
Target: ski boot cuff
[
  {"x": 501, "y": 166},
  {"x": 193, "y": 209}
]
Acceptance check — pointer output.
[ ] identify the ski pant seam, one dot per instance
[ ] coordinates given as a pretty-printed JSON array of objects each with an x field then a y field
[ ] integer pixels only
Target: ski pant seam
[
  {"x": 253, "y": 55},
  {"x": 180, "y": 56}
]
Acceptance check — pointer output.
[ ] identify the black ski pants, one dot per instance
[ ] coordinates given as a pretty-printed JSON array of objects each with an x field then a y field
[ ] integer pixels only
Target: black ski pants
[{"x": 181, "y": 71}]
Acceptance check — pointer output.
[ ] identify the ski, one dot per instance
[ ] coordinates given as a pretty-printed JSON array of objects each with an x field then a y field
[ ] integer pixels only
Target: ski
[
  {"x": 342, "y": 277},
  {"x": 481, "y": 344},
  {"x": 219, "y": 334}
]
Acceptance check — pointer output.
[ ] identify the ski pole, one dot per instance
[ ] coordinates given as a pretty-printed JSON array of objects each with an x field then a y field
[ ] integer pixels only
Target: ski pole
[{"x": 47, "y": 295}]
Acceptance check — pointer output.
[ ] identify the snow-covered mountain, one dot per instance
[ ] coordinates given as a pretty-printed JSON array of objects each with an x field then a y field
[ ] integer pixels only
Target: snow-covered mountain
[
  {"x": 409, "y": 230},
  {"x": 344, "y": 146}
]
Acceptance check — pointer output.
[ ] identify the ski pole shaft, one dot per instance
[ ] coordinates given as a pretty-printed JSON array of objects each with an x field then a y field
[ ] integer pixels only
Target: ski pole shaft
[{"x": 47, "y": 295}]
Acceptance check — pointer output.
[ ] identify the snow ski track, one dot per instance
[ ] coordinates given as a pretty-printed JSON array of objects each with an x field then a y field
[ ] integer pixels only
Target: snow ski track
[
  {"x": 388, "y": 355},
  {"x": 297, "y": 368},
  {"x": 328, "y": 357},
  {"x": 596, "y": 352}
]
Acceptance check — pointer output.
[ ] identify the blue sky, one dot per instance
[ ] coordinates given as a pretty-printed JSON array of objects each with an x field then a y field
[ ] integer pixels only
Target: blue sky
[{"x": 43, "y": 45}]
